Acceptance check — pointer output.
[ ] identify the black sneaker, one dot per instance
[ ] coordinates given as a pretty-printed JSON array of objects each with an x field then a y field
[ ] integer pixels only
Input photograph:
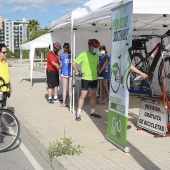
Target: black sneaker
[
  {"x": 55, "y": 100},
  {"x": 78, "y": 118},
  {"x": 50, "y": 101},
  {"x": 95, "y": 115}
]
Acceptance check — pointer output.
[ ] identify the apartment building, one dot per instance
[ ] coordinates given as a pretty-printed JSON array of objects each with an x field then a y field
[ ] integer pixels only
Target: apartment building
[{"x": 13, "y": 33}]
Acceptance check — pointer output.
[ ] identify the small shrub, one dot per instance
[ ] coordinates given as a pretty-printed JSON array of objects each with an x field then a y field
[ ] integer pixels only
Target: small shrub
[{"x": 65, "y": 147}]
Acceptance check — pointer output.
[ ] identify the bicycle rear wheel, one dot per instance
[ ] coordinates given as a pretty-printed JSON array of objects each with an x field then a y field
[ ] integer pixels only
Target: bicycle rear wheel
[
  {"x": 164, "y": 72},
  {"x": 9, "y": 129}
]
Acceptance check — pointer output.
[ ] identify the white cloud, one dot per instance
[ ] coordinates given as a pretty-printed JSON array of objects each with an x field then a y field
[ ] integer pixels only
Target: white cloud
[
  {"x": 36, "y": 5},
  {"x": 19, "y": 8},
  {"x": 44, "y": 2}
]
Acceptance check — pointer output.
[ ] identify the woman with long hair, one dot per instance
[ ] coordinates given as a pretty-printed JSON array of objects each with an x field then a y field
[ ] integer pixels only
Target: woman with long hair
[
  {"x": 66, "y": 73},
  {"x": 103, "y": 72}
]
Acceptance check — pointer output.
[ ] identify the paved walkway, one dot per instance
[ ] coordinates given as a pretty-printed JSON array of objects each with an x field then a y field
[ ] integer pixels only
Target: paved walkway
[{"x": 43, "y": 123}]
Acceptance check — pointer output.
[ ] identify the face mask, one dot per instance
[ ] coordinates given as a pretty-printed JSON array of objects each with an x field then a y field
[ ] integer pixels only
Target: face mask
[
  {"x": 56, "y": 51},
  {"x": 102, "y": 52},
  {"x": 95, "y": 50}
]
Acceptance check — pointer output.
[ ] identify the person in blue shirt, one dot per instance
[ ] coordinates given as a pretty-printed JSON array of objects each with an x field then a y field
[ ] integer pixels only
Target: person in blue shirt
[
  {"x": 103, "y": 72},
  {"x": 66, "y": 73}
]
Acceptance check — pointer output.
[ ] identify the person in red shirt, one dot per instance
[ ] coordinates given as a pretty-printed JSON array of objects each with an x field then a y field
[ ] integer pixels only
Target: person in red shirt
[{"x": 52, "y": 72}]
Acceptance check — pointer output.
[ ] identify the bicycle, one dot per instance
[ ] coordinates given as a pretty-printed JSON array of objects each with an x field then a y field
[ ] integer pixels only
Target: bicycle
[
  {"x": 118, "y": 77},
  {"x": 9, "y": 124},
  {"x": 143, "y": 64}
]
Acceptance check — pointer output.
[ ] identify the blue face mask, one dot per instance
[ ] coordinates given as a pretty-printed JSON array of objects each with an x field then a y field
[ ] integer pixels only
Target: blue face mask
[
  {"x": 102, "y": 52},
  {"x": 95, "y": 50}
]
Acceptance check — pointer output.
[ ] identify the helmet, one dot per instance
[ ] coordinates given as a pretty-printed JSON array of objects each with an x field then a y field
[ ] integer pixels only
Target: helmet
[
  {"x": 94, "y": 43},
  {"x": 56, "y": 45}
]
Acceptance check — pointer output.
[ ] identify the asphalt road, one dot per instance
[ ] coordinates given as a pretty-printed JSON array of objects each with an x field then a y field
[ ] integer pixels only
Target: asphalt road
[{"x": 23, "y": 156}]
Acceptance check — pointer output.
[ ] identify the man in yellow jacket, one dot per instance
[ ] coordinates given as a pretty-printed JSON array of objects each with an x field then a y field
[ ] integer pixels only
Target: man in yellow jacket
[{"x": 4, "y": 70}]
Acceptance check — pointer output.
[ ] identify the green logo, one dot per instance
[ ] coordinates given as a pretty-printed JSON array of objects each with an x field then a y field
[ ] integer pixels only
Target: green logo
[{"x": 115, "y": 68}]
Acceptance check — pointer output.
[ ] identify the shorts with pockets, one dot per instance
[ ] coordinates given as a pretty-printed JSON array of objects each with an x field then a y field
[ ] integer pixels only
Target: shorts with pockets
[{"x": 52, "y": 79}]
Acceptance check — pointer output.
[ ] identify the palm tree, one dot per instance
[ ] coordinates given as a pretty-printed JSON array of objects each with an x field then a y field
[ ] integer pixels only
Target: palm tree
[{"x": 33, "y": 26}]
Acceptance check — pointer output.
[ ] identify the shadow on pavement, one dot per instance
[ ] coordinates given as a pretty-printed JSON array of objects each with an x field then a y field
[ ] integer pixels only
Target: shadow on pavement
[
  {"x": 101, "y": 124},
  {"x": 35, "y": 80}
]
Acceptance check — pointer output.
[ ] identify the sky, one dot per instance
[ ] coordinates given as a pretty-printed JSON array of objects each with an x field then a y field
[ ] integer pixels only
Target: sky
[{"x": 44, "y": 11}]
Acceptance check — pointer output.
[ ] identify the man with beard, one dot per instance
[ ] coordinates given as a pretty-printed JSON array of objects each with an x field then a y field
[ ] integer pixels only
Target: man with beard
[{"x": 52, "y": 72}]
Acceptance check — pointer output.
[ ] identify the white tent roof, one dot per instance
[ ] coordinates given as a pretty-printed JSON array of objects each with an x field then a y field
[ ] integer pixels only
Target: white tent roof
[
  {"x": 41, "y": 42},
  {"x": 148, "y": 15},
  {"x": 65, "y": 22}
]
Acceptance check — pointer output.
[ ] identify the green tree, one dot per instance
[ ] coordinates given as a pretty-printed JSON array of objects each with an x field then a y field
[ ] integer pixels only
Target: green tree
[
  {"x": 38, "y": 33},
  {"x": 17, "y": 53},
  {"x": 9, "y": 53},
  {"x": 33, "y": 26}
]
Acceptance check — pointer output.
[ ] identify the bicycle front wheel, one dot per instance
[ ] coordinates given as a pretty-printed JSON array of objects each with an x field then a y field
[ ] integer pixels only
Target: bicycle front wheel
[
  {"x": 9, "y": 129},
  {"x": 164, "y": 72}
]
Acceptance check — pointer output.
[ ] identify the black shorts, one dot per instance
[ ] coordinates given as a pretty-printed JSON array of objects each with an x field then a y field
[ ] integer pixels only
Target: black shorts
[
  {"x": 52, "y": 79},
  {"x": 92, "y": 84}
]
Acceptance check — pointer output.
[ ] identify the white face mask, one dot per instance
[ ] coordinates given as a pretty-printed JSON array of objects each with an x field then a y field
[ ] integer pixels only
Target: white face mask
[
  {"x": 95, "y": 50},
  {"x": 102, "y": 52}
]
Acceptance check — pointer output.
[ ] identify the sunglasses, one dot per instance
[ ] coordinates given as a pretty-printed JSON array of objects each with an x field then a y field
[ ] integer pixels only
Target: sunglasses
[{"x": 5, "y": 52}]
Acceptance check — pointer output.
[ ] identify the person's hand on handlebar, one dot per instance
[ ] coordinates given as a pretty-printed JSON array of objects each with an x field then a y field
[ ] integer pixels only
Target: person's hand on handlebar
[{"x": 143, "y": 75}]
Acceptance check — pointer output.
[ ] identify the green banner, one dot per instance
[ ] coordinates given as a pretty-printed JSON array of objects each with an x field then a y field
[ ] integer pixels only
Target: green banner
[{"x": 120, "y": 71}]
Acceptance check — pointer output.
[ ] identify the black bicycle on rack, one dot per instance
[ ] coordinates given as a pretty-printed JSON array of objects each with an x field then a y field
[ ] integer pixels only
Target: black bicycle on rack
[
  {"x": 143, "y": 63},
  {"x": 9, "y": 124}
]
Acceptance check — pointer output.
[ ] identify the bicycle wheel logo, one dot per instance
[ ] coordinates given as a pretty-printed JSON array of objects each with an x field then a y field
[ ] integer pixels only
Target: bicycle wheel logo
[{"x": 116, "y": 127}]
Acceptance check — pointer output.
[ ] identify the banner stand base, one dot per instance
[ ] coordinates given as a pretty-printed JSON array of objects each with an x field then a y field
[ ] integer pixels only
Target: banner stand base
[{"x": 126, "y": 149}]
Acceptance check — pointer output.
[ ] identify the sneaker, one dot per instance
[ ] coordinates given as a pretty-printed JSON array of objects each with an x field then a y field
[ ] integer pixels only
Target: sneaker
[
  {"x": 55, "y": 100},
  {"x": 78, "y": 118},
  {"x": 95, "y": 115},
  {"x": 50, "y": 101}
]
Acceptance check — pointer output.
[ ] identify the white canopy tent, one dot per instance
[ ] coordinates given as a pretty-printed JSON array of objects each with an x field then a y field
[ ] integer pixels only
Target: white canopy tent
[
  {"x": 62, "y": 30},
  {"x": 93, "y": 20},
  {"x": 149, "y": 17},
  {"x": 41, "y": 42}
]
